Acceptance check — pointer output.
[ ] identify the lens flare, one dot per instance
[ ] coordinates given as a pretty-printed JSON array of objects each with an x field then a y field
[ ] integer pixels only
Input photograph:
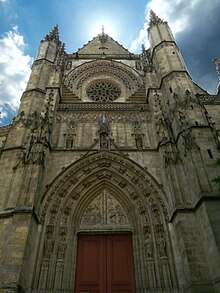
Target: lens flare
[{"x": 98, "y": 27}]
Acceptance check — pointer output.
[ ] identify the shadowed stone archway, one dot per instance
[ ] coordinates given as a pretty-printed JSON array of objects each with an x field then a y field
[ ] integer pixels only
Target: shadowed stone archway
[{"x": 104, "y": 193}]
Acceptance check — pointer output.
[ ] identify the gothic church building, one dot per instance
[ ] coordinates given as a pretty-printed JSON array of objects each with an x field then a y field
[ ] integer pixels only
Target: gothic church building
[{"x": 106, "y": 173}]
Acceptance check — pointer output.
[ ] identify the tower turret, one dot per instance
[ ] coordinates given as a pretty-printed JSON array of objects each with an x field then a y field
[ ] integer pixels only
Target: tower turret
[
  {"x": 48, "y": 46},
  {"x": 46, "y": 72},
  {"x": 166, "y": 56}
]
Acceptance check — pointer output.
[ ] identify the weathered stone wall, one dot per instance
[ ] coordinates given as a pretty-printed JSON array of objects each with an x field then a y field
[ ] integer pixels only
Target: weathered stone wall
[{"x": 148, "y": 157}]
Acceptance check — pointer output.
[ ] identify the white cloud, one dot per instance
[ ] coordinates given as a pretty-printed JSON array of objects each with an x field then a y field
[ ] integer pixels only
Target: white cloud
[
  {"x": 15, "y": 67},
  {"x": 141, "y": 39},
  {"x": 194, "y": 24},
  {"x": 165, "y": 9},
  {"x": 180, "y": 14},
  {"x": 3, "y": 1},
  {"x": 2, "y": 113}
]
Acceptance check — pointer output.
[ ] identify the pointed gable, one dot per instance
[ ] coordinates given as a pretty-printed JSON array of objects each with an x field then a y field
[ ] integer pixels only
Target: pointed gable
[{"x": 103, "y": 44}]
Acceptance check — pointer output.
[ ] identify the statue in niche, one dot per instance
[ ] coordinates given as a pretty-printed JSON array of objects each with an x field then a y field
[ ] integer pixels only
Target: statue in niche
[
  {"x": 148, "y": 247},
  {"x": 138, "y": 65},
  {"x": 147, "y": 60},
  {"x": 61, "y": 250},
  {"x": 139, "y": 141},
  {"x": 69, "y": 141},
  {"x": 48, "y": 247},
  {"x": 68, "y": 65},
  {"x": 162, "y": 246},
  {"x": 104, "y": 132},
  {"x": 153, "y": 205},
  {"x": 69, "y": 136},
  {"x": 104, "y": 141},
  {"x": 37, "y": 154}
]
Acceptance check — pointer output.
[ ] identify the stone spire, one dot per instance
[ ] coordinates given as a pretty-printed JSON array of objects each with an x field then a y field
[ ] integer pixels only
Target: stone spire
[
  {"x": 53, "y": 35},
  {"x": 216, "y": 61},
  {"x": 103, "y": 37},
  {"x": 154, "y": 19}
]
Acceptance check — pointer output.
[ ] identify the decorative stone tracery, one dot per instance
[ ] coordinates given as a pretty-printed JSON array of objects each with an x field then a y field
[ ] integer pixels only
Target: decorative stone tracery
[
  {"x": 127, "y": 76},
  {"x": 100, "y": 192},
  {"x": 103, "y": 91},
  {"x": 104, "y": 210}
]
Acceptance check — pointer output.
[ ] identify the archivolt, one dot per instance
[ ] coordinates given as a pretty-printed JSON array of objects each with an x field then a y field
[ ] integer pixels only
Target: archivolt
[
  {"x": 69, "y": 196},
  {"x": 77, "y": 76},
  {"x": 75, "y": 183}
]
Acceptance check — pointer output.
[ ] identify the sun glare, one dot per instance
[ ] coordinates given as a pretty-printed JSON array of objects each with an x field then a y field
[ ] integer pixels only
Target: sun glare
[{"x": 97, "y": 28}]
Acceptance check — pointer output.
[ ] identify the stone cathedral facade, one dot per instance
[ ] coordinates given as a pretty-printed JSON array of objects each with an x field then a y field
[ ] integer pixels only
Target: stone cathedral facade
[{"x": 106, "y": 173}]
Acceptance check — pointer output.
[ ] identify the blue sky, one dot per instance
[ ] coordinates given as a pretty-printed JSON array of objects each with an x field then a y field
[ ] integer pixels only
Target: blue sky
[{"x": 23, "y": 23}]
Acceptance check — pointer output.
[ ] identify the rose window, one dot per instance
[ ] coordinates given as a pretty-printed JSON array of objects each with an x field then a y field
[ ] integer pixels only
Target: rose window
[{"x": 103, "y": 91}]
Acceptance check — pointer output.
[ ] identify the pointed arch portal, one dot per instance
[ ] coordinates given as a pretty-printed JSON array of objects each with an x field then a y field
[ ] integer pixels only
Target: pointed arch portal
[{"x": 109, "y": 195}]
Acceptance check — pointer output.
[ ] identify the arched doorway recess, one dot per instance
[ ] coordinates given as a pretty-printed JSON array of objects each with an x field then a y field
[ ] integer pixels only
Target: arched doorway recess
[{"x": 104, "y": 193}]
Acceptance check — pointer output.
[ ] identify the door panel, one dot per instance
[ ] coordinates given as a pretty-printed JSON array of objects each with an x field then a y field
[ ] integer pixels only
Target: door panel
[
  {"x": 120, "y": 264},
  {"x": 90, "y": 265},
  {"x": 105, "y": 264}
]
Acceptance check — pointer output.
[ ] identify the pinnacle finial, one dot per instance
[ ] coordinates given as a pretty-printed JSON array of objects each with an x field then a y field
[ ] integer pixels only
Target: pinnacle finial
[
  {"x": 154, "y": 19},
  {"x": 216, "y": 61},
  {"x": 53, "y": 35},
  {"x": 103, "y": 37}
]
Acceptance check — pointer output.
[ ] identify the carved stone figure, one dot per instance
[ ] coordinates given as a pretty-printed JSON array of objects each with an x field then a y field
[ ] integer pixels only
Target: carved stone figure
[
  {"x": 148, "y": 247},
  {"x": 189, "y": 141},
  {"x": 147, "y": 61},
  {"x": 68, "y": 65},
  {"x": 69, "y": 141},
  {"x": 139, "y": 141},
  {"x": 104, "y": 141},
  {"x": 104, "y": 133},
  {"x": 162, "y": 246},
  {"x": 61, "y": 250},
  {"x": 105, "y": 210},
  {"x": 48, "y": 248}
]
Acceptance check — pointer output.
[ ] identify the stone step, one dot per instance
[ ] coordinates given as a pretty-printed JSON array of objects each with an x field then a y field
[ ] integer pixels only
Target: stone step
[
  {"x": 68, "y": 97},
  {"x": 139, "y": 96}
]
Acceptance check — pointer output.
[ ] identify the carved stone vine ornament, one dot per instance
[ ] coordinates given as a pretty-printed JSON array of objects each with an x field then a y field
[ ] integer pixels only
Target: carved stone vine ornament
[
  {"x": 87, "y": 117},
  {"x": 75, "y": 183},
  {"x": 171, "y": 157},
  {"x": 104, "y": 210},
  {"x": 163, "y": 127},
  {"x": 215, "y": 131},
  {"x": 137, "y": 133},
  {"x": 38, "y": 127},
  {"x": 76, "y": 77},
  {"x": 106, "y": 107},
  {"x": 189, "y": 141},
  {"x": 146, "y": 59}
]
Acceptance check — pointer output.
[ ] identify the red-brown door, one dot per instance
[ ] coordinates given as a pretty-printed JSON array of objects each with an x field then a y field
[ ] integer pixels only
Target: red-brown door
[{"x": 105, "y": 264}]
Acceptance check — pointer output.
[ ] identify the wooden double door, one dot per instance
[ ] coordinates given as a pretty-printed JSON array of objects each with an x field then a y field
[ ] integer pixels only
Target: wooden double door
[{"x": 105, "y": 264}]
